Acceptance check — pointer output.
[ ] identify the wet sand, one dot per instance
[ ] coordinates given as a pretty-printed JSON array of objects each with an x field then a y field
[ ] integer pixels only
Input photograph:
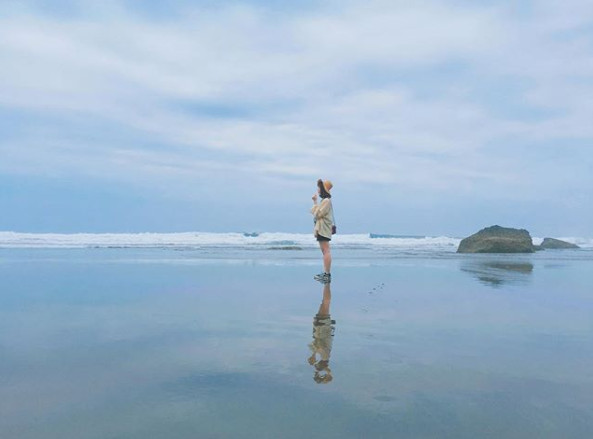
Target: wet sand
[{"x": 152, "y": 344}]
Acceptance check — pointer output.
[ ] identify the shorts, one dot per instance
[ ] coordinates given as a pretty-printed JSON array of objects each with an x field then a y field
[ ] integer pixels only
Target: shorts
[{"x": 322, "y": 238}]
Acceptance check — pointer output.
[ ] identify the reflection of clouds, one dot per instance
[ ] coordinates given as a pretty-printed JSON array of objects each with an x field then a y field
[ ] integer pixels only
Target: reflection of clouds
[
  {"x": 183, "y": 360},
  {"x": 496, "y": 273},
  {"x": 65, "y": 354}
]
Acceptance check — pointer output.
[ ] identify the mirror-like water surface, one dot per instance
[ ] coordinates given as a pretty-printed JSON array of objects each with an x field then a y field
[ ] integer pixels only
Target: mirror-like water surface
[{"x": 156, "y": 343}]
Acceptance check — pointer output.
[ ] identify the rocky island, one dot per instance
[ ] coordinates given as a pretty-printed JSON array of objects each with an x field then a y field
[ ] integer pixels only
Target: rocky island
[{"x": 497, "y": 239}]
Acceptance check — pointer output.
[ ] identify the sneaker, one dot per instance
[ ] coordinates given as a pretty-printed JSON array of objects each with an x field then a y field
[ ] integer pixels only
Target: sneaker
[{"x": 324, "y": 278}]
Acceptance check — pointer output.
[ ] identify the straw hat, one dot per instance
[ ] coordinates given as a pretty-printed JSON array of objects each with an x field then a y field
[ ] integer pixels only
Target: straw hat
[{"x": 328, "y": 185}]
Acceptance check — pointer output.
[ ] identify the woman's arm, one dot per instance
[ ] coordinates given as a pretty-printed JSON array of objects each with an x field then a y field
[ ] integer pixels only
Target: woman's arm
[{"x": 321, "y": 210}]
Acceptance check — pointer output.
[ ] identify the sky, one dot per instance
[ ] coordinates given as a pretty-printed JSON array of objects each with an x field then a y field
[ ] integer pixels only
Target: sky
[{"x": 435, "y": 117}]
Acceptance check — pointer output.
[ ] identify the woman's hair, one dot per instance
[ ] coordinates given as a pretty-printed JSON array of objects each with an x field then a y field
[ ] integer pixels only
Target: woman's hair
[{"x": 322, "y": 192}]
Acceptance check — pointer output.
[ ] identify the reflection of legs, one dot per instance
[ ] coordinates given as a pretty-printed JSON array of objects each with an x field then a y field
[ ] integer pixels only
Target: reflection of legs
[
  {"x": 327, "y": 297},
  {"x": 327, "y": 256}
]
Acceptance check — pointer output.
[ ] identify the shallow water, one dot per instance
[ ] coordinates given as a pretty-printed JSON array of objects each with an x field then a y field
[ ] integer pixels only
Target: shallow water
[{"x": 152, "y": 343}]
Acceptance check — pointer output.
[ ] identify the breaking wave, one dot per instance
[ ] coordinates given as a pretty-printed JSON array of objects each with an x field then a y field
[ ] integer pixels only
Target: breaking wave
[{"x": 235, "y": 240}]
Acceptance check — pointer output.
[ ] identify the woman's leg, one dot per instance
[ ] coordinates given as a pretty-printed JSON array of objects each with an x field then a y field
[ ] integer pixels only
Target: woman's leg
[{"x": 327, "y": 256}]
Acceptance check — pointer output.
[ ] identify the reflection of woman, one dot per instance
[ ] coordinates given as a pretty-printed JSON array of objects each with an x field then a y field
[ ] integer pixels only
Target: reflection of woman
[
  {"x": 321, "y": 346},
  {"x": 324, "y": 222}
]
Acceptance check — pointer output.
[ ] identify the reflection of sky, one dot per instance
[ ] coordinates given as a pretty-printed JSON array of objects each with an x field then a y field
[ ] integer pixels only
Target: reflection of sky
[{"x": 136, "y": 349}]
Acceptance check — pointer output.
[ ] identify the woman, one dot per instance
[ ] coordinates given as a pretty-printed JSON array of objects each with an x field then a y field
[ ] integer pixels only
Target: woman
[{"x": 324, "y": 221}]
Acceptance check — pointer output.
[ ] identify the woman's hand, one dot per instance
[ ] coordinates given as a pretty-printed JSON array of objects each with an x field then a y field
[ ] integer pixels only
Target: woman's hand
[{"x": 314, "y": 198}]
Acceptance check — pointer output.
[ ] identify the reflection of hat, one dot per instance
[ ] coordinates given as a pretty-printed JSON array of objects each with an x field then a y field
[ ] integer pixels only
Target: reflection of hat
[{"x": 324, "y": 378}]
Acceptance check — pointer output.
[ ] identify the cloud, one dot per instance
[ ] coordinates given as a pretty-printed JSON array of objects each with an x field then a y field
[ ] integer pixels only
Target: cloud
[{"x": 382, "y": 92}]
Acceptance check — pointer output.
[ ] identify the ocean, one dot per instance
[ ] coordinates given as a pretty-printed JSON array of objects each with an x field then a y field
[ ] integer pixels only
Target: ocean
[
  {"x": 245, "y": 241},
  {"x": 199, "y": 335}
]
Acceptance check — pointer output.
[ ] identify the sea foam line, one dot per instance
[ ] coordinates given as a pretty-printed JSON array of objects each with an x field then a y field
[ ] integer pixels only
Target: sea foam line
[
  {"x": 234, "y": 240},
  {"x": 195, "y": 239}
]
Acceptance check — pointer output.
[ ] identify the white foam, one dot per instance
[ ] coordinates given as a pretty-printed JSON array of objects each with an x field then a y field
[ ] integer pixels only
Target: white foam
[
  {"x": 233, "y": 240},
  {"x": 200, "y": 240}
]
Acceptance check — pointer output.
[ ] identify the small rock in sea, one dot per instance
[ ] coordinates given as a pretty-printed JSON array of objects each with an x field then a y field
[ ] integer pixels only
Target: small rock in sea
[{"x": 551, "y": 243}]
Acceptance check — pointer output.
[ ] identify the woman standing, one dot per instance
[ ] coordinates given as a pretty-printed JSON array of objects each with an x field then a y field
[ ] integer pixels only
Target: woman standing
[{"x": 324, "y": 222}]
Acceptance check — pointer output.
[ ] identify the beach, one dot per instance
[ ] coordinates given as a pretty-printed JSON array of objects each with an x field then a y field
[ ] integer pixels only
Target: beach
[
  {"x": 268, "y": 219},
  {"x": 216, "y": 342}
]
